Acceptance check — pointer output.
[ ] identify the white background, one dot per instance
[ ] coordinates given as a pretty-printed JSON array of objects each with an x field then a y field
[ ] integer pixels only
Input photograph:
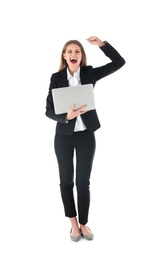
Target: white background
[{"x": 32, "y": 221}]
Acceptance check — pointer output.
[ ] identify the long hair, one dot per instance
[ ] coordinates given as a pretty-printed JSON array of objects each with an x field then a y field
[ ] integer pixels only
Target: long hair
[{"x": 63, "y": 63}]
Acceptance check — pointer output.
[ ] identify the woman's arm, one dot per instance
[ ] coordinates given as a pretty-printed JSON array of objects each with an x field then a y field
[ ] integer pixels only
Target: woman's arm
[
  {"x": 50, "y": 112},
  {"x": 116, "y": 63}
]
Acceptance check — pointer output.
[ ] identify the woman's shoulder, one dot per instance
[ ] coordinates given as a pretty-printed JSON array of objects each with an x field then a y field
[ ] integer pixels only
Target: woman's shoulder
[
  {"x": 86, "y": 68},
  {"x": 58, "y": 73}
]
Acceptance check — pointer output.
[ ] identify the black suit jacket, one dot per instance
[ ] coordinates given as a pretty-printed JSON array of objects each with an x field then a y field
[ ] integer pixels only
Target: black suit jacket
[{"x": 88, "y": 74}]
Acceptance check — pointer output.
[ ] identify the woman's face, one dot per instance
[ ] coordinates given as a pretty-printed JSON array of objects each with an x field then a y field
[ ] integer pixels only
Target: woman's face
[{"x": 73, "y": 57}]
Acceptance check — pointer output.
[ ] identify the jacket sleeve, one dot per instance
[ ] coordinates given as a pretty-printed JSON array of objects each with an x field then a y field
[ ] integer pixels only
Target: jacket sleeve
[
  {"x": 50, "y": 112},
  {"x": 116, "y": 63}
]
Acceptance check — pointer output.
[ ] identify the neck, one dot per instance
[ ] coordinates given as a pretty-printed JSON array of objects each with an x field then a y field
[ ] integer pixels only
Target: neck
[{"x": 72, "y": 71}]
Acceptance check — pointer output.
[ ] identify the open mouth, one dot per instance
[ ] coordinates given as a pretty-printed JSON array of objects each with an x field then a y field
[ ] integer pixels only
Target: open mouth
[{"x": 73, "y": 60}]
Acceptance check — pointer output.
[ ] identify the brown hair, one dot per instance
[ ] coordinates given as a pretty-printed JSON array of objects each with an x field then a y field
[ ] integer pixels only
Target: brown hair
[{"x": 63, "y": 63}]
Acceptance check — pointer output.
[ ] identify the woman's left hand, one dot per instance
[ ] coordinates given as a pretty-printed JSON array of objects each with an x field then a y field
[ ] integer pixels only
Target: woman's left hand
[{"x": 95, "y": 41}]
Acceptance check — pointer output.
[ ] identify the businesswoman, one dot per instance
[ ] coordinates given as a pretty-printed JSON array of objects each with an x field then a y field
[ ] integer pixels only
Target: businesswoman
[{"x": 75, "y": 130}]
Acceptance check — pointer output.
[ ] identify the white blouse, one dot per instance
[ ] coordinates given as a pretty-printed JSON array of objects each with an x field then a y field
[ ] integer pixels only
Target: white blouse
[{"x": 73, "y": 81}]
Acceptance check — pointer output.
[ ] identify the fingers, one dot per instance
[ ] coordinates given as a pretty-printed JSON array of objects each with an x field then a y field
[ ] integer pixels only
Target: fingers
[
  {"x": 73, "y": 108},
  {"x": 83, "y": 112},
  {"x": 75, "y": 112},
  {"x": 95, "y": 41},
  {"x": 92, "y": 38},
  {"x": 81, "y": 108}
]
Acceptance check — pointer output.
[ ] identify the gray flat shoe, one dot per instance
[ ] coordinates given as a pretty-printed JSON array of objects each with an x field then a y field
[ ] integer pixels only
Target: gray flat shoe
[
  {"x": 88, "y": 236},
  {"x": 75, "y": 238}
]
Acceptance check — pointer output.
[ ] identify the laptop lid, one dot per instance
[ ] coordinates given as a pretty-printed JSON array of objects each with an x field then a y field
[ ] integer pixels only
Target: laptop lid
[{"x": 80, "y": 95}]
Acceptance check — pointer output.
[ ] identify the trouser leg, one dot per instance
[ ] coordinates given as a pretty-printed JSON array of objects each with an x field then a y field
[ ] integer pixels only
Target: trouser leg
[
  {"x": 64, "y": 150},
  {"x": 85, "y": 151}
]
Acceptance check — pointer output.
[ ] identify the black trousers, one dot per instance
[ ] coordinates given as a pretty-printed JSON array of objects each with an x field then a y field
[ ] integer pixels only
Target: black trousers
[{"x": 83, "y": 144}]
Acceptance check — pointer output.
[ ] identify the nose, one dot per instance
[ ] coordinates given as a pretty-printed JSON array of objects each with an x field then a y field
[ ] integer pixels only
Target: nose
[{"x": 74, "y": 54}]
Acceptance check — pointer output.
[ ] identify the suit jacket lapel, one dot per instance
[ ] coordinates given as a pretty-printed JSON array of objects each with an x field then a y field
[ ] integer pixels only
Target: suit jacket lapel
[
  {"x": 62, "y": 79},
  {"x": 84, "y": 76}
]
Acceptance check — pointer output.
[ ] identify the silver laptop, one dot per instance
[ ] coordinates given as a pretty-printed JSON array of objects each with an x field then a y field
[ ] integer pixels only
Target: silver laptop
[{"x": 64, "y": 98}]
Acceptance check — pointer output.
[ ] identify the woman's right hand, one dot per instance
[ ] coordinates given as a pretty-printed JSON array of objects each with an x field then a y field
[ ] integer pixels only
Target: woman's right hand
[{"x": 74, "y": 113}]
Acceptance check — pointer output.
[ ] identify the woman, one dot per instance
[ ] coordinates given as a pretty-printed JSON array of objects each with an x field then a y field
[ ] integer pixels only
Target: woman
[{"x": 75, "y": 130}]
